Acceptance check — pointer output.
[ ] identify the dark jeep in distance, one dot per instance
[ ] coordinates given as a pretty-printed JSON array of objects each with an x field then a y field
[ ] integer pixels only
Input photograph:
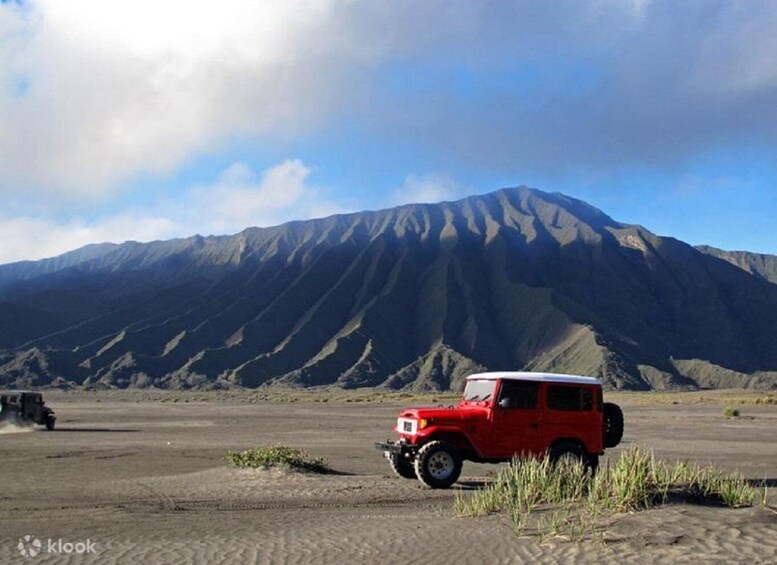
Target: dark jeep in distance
[{"x": 23, "y": 407}]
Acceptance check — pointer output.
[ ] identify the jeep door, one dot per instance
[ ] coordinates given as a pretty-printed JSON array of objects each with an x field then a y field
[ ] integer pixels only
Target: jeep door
[
  {"x": 518, "y": 419},
  {"x": 572, "y": 414},
  {"x": 30, "y": 407}
]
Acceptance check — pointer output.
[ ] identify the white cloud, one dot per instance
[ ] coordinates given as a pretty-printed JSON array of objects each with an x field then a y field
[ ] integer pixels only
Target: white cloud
[
  {"x": 238, "y": 199},
  {"x": 239, "y": 195},
  {"x": 94, "y": 93},
  {"x": 36, "y": 238},
  {"x": 112, "y": 89},
  {"x": 241, "y": 198},
  {"x": 428, "y": 188}
]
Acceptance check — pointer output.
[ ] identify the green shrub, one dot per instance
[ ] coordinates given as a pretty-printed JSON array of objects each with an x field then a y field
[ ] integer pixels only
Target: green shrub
[
  {"x": 731, "y": 412},
  {"x": 277, "y": 456}
]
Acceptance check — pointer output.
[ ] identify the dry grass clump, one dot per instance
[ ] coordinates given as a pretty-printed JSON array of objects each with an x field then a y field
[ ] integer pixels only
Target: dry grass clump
[
  {"x": 636, "y": 481},
  {"x": 268, "y": 456},
  {"x": 731, "y": 412},
  {"x": 724, "y": 397}
]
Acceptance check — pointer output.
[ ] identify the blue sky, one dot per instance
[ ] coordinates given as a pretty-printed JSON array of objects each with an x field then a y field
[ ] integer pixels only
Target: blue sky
[{"x": 144, "y": 120}]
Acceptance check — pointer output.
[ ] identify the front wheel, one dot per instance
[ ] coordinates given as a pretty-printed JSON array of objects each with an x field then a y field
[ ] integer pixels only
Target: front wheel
[
  {"x": 402, "y": 467},
  {"x": 438, "y": 464},
  {"x": 50, "y": 421}
]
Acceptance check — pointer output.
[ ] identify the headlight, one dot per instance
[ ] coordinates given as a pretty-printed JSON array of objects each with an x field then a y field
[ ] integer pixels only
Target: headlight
[
  {"x": 407, "y": 426},
  {"x": 422, "y": 423}
]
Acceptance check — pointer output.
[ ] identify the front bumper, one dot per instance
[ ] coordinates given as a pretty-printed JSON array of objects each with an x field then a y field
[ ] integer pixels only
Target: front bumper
[{"x": 396, "y": 448}]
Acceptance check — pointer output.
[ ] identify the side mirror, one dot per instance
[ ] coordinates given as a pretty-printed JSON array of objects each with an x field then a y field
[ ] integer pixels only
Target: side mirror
[{"x": 504, "y": 403}]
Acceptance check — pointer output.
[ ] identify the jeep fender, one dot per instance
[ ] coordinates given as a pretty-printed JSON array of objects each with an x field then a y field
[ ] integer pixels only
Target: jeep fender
[{"x": 453, "y": 435}]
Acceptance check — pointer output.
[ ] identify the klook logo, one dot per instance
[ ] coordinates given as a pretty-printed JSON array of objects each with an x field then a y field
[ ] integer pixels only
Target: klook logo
[{"x": 30, "y": 546}]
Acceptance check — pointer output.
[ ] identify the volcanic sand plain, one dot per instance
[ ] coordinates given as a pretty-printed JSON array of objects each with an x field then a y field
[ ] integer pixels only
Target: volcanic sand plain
[{"x": 144, "y": 478}]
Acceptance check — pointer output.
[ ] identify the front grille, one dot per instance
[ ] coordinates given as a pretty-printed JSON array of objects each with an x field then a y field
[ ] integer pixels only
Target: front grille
[{"x": 407, "y": 426}]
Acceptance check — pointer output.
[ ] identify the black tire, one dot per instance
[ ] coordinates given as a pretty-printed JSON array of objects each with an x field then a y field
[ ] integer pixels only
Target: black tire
[
  {"x": 438, "y": 464},
  {"x": 593, "y": 464},
  {"x": 575, "y": 452},
  {"x": 50, "y": 422},
  {"x": 613, "y": 424},
  {"x": 567, "y": 450},
  {"x": 402, "y": 467}
]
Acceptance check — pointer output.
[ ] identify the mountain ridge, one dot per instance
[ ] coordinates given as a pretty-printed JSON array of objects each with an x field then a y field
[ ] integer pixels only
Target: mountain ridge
[
  {"x": 414, "y": 296},
  {"x": 759, "y": 264}
]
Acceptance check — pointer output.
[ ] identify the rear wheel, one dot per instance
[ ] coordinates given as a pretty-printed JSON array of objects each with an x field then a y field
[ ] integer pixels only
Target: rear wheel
[
  {"x": 566, "y": 452},
  {"x": 593, "y": 463},
  {"x": 438, "y": 464},
  {"x": 571, "y": 453},
  {"x": 402, "y": 467}
]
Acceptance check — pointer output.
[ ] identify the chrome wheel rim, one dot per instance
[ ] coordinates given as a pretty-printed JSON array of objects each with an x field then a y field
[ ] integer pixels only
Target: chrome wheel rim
[{"x": 440, "y": 465}]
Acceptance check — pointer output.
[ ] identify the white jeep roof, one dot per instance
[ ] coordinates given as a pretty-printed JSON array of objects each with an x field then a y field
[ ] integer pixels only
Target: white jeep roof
[{"x": 542, "y": 377}]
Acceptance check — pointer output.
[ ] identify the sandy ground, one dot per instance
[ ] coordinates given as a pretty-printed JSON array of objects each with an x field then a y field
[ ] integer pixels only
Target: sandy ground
[{"x": 146, "y": 482}]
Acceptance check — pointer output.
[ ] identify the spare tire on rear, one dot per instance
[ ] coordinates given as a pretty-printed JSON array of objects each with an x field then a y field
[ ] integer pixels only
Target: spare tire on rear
[{"x": 613, "y": 424}]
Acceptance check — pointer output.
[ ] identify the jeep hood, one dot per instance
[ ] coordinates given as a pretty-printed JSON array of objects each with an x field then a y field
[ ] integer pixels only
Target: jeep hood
[{"x": 442, "y": 414}]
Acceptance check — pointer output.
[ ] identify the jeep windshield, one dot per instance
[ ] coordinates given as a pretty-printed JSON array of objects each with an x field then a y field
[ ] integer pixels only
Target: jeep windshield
[{"x": 479, "y": 390}]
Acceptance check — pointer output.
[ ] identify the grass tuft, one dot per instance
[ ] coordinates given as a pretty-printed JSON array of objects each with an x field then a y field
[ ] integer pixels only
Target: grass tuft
[
  {"x": 731, "y": 412},
  {"x": 635, "y": 481},
  {"x": 279, "y": 455}
]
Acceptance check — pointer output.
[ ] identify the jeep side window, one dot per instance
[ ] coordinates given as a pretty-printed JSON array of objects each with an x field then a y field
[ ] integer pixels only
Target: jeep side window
[
  {"x": 586, "y": 399},
  {"x": 570, "y": 398},
  {"x": 521, "y": 394}
]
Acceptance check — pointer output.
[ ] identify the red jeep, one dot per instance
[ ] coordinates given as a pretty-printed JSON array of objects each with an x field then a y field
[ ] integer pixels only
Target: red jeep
[{"x": 501, "y": 416}]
